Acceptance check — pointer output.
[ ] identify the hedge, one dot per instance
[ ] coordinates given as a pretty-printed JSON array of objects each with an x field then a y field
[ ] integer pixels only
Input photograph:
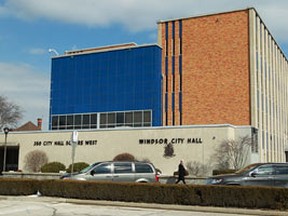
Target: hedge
[{"x": 202, "y": 195}]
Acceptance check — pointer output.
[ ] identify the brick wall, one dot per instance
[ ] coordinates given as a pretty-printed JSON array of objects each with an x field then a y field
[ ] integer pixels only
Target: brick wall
[{"x": 215, "y": 69}]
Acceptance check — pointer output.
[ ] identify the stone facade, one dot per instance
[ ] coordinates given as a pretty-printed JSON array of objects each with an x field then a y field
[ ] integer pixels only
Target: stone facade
[{"x": 191, "y": 143}]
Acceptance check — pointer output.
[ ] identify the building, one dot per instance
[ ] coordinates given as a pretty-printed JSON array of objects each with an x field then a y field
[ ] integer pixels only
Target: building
[
  {"x": 226, "y": 68},
  {"x": 106, "y": 87},
  {"x": 211, "y": 78},
  {"x": 191, "y": 143}
]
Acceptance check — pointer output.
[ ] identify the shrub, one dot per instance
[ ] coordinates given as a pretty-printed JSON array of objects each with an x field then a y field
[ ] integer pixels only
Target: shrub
[
  {"x": 34, "y": 160},
  {"x": 226, "y": 171},
  {"x": 77, "y": 167},
  {"x": 124, "y": 157},
  {"x": 53, "y": 167},
  {"x": 196, "y": 168}
]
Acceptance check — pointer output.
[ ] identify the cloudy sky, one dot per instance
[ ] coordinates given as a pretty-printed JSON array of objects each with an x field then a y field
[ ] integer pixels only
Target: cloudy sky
[{"x": 30, "y": 27}]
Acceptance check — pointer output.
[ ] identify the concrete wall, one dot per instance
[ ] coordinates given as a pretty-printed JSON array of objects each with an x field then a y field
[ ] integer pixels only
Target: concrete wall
[{"x": 191, "y": 143}]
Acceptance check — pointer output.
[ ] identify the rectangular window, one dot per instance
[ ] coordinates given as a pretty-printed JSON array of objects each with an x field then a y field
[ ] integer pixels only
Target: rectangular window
[
  {"x": 94, "y": 121},
  {"x": 137, "y": 117},
  {"x": 111, "y": 118},
  {"x": 122, "y": 167},
  {"x": 147, "y": 116},
  {"x": 107, "y": 120},
  {"x": 103, "y": 120},
  {"x": 70, "y": 122},
  {"x": 129, "y": 119},
  {"x": 55, "y": 123},
  {"x": 86, "y": 121},
  {"x": 62, "y": 122},
  {"x": 120, "y": 119},
  {"x": 78, "y": 122}
]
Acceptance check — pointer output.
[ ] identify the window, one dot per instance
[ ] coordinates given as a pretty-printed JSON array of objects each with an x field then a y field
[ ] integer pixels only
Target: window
[
  {"x": 143, "y": 168},
  {"x": 94, "y": 121},
  {"x": 103, "y": 120},
  {"x": 78, "y": 121},
  {"x": 122, "y": 168},
  {"x": 55, "y": 122},
  {"x": 137, "y": 118},
  {"x": 70, "y": 122},
  {"x": 62, "y": 122},
  {"x": 86, "y": 121},
  {"x": 129, "y": 119},
  {"x": 281, "y": 170},
  {"x": 103, "y": 169},
  {"x": 264, "y": 170},
  {"x": 120, "y": 119},
  {"x": 111, "y": 118}
]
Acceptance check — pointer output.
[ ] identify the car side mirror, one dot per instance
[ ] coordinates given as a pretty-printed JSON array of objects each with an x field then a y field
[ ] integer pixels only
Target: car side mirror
[
  {"x": 92, "y": 172},
  {"x": 253, "y": 174}
]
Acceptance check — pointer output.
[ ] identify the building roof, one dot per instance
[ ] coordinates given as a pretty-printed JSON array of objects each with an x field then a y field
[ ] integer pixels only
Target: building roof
[
  {"x": 29, "y": 126},
  {"x": 103, "y": 49}
]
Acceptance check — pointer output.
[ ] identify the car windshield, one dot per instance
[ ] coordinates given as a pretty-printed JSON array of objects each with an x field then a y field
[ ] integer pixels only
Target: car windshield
[
  {"x": 89, "y": 167},
  {"x": 247, "y": 168}
]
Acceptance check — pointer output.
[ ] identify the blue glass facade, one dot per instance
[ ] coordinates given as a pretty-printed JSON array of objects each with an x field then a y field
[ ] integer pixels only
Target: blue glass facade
[{"x": 120, "y": 80}]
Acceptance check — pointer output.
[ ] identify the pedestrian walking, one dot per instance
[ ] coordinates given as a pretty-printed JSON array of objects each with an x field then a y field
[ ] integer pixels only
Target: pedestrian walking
[{"x": 181, "y": 172}]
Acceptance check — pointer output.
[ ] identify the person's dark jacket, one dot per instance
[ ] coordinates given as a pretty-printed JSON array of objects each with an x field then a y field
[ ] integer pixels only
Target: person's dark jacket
[{"x": 181, "y": 171}]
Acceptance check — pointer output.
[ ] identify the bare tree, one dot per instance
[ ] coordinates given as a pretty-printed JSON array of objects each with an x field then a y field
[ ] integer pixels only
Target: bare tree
[
  {"x": 233, "y": 153},
  {"x": 197, "y": 169},
  {"x": 10, "y": 113},
  {"x": 34, "y": 160}
]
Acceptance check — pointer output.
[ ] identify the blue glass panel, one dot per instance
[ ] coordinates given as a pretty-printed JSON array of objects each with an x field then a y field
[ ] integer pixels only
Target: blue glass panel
[{"x": 119, "y": 80}]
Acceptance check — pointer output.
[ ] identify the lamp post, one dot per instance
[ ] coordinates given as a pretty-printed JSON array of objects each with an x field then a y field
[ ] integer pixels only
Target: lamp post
[{"x": 6, "y": 131}]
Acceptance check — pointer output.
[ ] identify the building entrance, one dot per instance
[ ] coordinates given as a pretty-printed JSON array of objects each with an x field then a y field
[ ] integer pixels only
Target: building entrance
[{"x": 12, "y": 158}]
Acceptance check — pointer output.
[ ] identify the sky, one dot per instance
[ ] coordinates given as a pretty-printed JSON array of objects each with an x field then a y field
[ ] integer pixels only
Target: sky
[{"x": 29, "y": 28}]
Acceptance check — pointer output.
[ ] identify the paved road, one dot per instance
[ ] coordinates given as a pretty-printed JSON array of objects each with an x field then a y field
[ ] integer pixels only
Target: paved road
[
  {"x": 45, "y": 206},
  {"x": 20, "y": 208}
]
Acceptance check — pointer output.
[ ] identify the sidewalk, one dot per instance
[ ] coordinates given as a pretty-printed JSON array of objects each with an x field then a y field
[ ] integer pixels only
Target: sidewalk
[{"x": 35, "y": 198}]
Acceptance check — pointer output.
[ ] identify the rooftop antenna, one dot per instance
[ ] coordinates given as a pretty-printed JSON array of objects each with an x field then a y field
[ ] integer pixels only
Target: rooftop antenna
[{"x": 53, "y": 51}]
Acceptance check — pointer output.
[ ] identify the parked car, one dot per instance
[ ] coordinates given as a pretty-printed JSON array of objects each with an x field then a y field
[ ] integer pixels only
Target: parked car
[
  {"x": 118, "y": 171},
  {"x": 262, "y": 174}
]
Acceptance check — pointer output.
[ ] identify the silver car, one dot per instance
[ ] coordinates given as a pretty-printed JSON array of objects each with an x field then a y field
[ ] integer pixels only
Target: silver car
[{"x": 118, "y": 171}]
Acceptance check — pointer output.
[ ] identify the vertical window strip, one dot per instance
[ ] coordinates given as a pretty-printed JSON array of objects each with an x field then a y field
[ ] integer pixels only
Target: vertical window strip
[
  {"x": 166, "y": 102},
  {"x": 166, "y": 108},
  {"x": 173, "y": 66},
  {"x": 173, "y": 101},
  {"x": 166, "y": 37},
  {"x": 180, "y": 106},
  {"x": 180, "y": 73},
  {"x": 166, "y": 71},
  {"x": 166, "y": 65},
  {"x": 173, "y": 38},
  {"x": 180, "y": 37},
  {"x": 173, "y": 108}
]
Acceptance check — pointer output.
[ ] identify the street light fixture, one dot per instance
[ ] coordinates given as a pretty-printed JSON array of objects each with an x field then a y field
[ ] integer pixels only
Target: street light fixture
[{"x": 6, "y": 131}]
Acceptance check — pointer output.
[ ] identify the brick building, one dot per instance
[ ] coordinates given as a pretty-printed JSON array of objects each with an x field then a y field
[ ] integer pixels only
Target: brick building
[
  {"x": 226, "y": 68},
  {"x": 210, "y": 78}
]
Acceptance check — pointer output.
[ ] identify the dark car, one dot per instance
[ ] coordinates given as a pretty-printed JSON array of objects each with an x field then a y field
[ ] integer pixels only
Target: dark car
[{"x": 262, "y": 174}]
